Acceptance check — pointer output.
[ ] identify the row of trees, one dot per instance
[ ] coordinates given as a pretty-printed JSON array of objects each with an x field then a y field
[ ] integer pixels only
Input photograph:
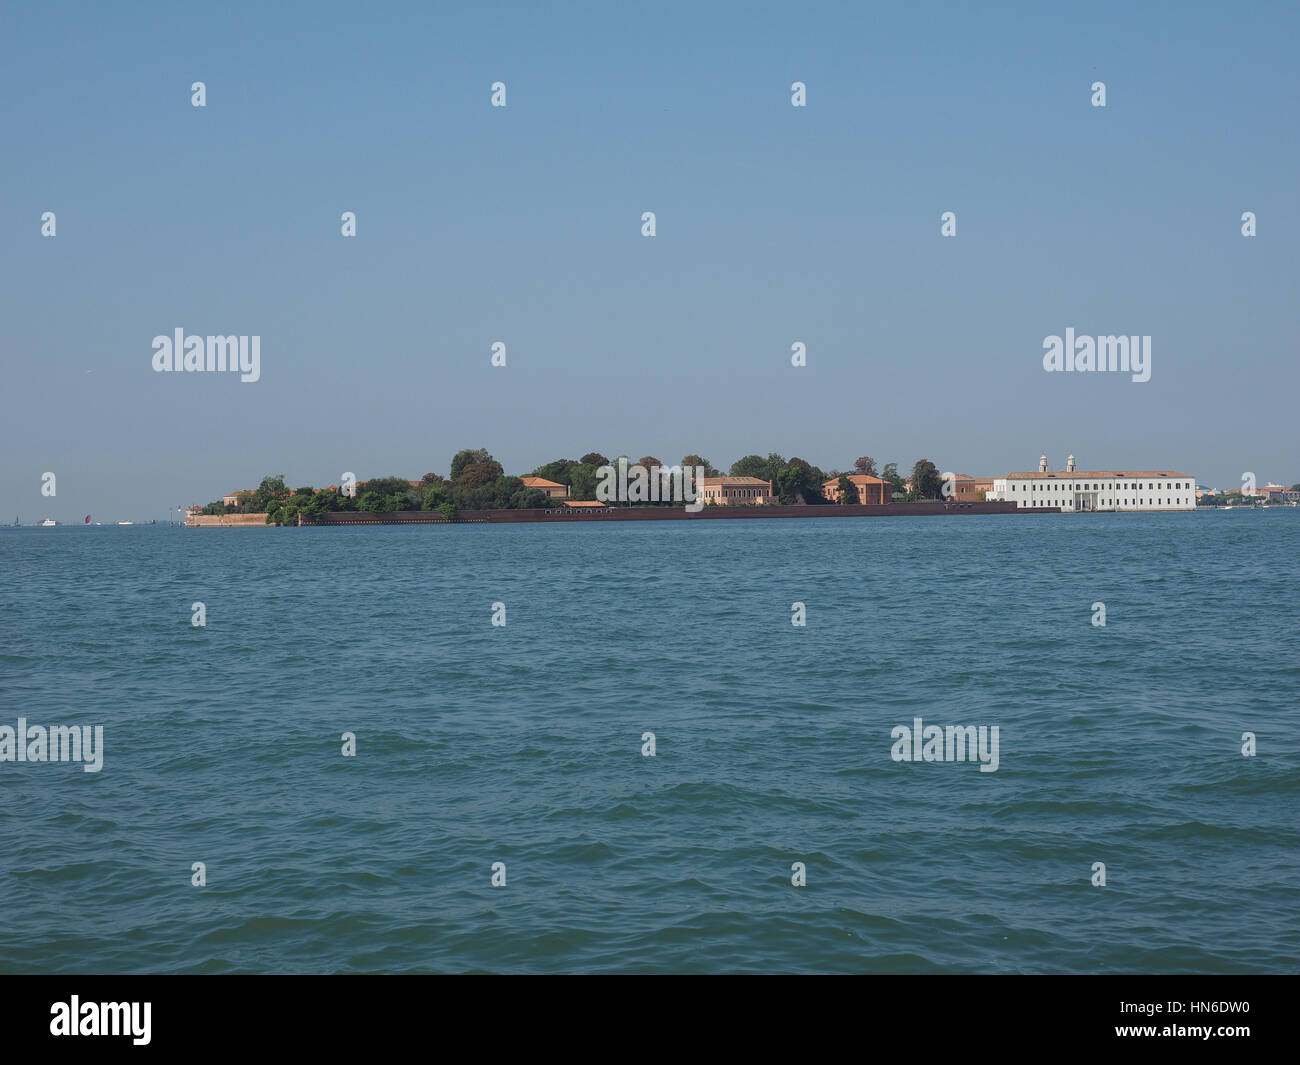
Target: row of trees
[
  {"x": 1235, "y": 498},
  {"x": 477, "y": 481}
]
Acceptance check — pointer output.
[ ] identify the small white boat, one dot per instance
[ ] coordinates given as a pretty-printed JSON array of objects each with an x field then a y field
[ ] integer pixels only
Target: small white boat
[
  {"x": 126, "y": 523},
  {"x": 48, "y": 522}
]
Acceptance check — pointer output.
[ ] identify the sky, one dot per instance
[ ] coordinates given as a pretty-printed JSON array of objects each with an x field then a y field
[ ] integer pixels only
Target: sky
[{"x": 522, "y": 225}]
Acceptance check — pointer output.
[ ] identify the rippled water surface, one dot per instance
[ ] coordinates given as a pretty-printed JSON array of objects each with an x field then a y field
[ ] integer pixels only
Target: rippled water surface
[{"x": 479, "y": 744}]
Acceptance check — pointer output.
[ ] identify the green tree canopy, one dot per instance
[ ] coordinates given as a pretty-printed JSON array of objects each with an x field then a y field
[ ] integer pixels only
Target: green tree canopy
[
  {"x": 468, "y": 457},
  {"x": 478, "y": 474},
  {"x": 557, "y": 471},
  {"x": 799, "y": 482},
  {"x": 699, "y": 460},
  {"x": 866, "y": 464},
  {"x": 926, "y": 482},
  {"x": 752, "y": 466},
  {"x": 582, "y": 483}
]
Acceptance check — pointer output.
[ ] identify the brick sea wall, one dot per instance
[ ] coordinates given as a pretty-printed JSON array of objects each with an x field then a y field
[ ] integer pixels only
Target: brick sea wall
[
  {"x": 228, "y": 520},
  {"x": 832, "y": 510}
]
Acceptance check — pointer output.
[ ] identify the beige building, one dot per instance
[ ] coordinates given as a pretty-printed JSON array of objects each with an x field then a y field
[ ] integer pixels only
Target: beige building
[
  {"x": 967, "y": 489},
  {"x": 871, "y": 490},
  {"x": 734, "y": 491},
  {"x": 551, "y": 488}
]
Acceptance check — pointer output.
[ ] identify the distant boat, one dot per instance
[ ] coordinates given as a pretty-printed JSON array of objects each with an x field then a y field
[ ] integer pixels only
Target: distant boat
[
  {"x": 87, "y": 521},
  {"x": 126, "y": 523},
  {"x": 49, "y": 521}
]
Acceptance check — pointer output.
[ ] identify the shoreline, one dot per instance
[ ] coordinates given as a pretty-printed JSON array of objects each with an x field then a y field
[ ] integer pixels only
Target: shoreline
[{"x": 615, "y": 514}]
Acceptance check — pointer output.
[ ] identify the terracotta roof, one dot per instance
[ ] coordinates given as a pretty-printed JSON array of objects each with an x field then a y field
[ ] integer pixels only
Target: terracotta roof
[
  {"x": 857, "y": 478},
  {"x": 584, "y": 503},
  {"x": 540, "y": 482},
  {"x": 1079, "y": 475},
  {"x": 733, "y": 480}
]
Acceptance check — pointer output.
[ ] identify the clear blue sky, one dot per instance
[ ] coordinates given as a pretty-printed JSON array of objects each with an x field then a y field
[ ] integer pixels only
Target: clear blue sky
[{"x": 522, "y": 224}]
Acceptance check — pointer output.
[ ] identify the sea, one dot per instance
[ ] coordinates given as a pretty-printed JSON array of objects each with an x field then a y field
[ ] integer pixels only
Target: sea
[{"x": 599, "y": 748}]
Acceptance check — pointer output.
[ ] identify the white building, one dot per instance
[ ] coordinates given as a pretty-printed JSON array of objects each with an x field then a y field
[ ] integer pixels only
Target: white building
[{"x": 1075, "y": 490}]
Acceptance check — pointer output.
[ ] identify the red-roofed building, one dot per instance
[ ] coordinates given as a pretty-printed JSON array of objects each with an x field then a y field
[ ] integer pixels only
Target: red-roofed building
[
  {"x": 551, "y": 488},
  {"x": 871, "y": 490}
]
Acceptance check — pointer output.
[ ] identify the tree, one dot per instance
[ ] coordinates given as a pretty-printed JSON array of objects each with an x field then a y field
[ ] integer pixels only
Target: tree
[
  {"x": 752, "y": 466},
  {"x": 432, "y": 479},
  {"x": 648, "y": 461},
  {"x": 594, "y": 458},
  {"x": 321, "y": 503},
  {"x": 478, "y": 474},
  {"x": 582, "y": 482},
  {"x": 436, "y": 495},
  {"x": 468, "y": 457},
  {"x": 558, "y": 471},
  {"x": 797, "y": 483},
  {"x": 926, "y": 482},
  {"x": 890, "y": 474},
  {"x": 848, "y": 490},
  {"x": 448, "y": 511},
  {"x": 272, "y": 487},
  {"x": 530, "y": 499},
  {"x": 866, "y": 464},
  {"x": 698, "y": 460}
]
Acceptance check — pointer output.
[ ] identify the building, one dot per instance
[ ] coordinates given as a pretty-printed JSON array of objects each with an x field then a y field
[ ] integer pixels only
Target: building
[
  {"x": 968, "y": 489},
  {"x": 1075, "y": 490},
  {"x": 1279, "y": 493},
  {"x": 733, "y": 491},
  {"x": 551, "y": 488},
  {"x": 870, "y": 490},
  {"x": 583, "y": 504},
  {"x": 232, "y": 500}
]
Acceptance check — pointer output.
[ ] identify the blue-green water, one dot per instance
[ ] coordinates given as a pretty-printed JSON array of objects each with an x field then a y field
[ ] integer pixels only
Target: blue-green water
[{"x": 522, "y": 744}]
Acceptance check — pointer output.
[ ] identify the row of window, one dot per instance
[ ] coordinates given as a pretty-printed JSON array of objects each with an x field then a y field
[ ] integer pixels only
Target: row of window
[
  {"x": 1136, "y": 502},
  {"x": 1060, "y": 487}
]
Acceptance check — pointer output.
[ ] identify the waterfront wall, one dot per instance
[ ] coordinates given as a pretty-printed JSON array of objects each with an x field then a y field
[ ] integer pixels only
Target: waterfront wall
[
  {"x": 230, "y": 520},
  {"x": 496, "y": 517},
  {"x": 566, "y": 514}
]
